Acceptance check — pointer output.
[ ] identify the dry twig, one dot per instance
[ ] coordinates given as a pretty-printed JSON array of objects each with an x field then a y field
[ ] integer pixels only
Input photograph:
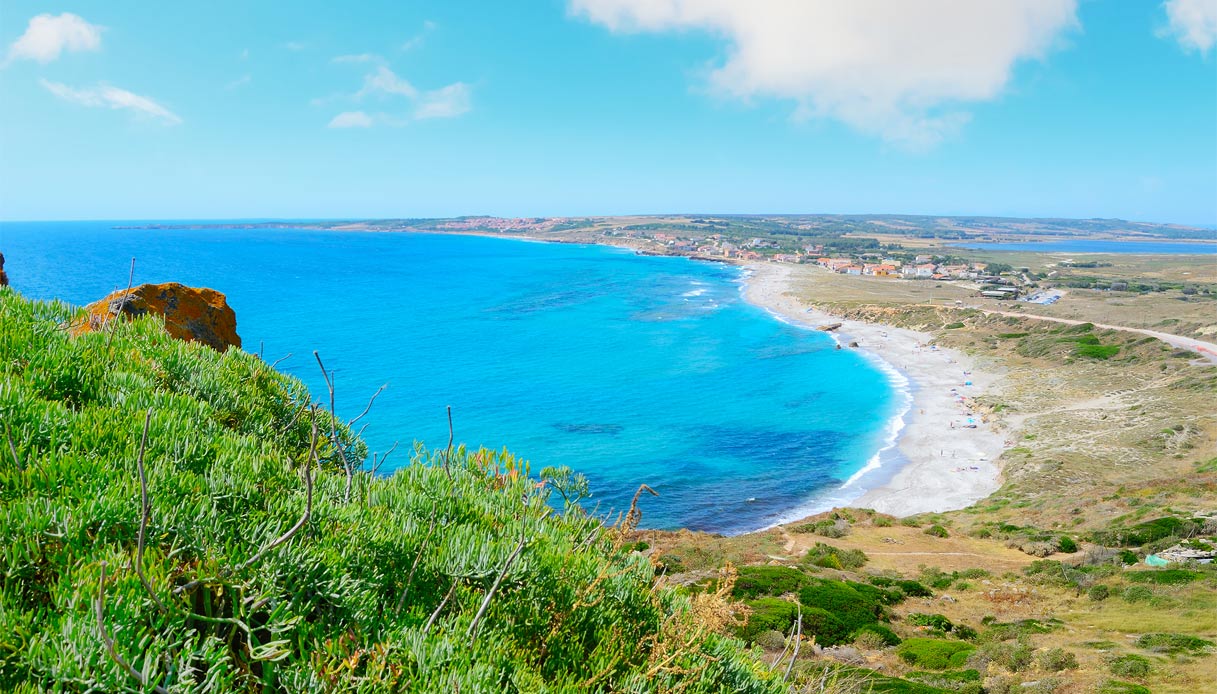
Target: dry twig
[
  {"x": 100, "y": 608},
  {"x": 477, "y": 618},
  {"x": 145, "y": 514},
  {"x": 121, "y": 305}
]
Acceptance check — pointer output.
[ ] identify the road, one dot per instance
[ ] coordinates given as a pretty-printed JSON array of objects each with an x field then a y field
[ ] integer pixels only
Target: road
[{"x": 1207, "y": 350}]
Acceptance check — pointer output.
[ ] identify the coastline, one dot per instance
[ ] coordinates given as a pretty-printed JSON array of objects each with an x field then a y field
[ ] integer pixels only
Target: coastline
[{"x": 946, "y": 465}]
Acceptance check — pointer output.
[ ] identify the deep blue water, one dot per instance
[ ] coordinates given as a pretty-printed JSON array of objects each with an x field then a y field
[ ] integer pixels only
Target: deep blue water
[
  {"x": 1100, "y": 246},
  {"x": 627, "y": 368}
]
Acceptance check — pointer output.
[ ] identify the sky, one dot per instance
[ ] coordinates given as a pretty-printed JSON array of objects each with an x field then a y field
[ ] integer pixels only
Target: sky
[{"x": 325, "y": 110}]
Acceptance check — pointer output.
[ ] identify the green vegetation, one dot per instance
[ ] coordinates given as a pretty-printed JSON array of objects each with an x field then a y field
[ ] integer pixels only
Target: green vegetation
[
  {"x": 831, "y": 557},
  {"x": 1134, "y": 666},
  {"x": 266, "y": 559},
  {"x": 1165, "y": 577},
  {"x": 1173, "y": 643},
  {"x": 756, "y": 581},
  {"x": 934, "y": 654}
]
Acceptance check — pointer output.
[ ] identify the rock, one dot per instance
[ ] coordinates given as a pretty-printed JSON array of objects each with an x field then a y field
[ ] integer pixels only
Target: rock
[
  {"x": 3, "y": 277},
  {"x": 194, "y": 314}
]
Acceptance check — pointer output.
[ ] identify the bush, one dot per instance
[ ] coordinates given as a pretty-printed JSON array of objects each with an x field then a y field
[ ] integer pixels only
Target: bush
[
  {"x": 1058, "y": 659},
  {"x": 757, "y": 581},
  {"x": 1164, "y": 577},
  {"x": 771, "y": 640},
  {"x": 831, "y": 557},
  {"x": 824, "y": 625},
  {"x": 937, "y": 531},
  {"x": 888, "y": 636},
  {"x": 1066, "y": 545},
  {"x": 853, "y": 604},
  {"x": 1098, "y": 592},
  {"x": 1173, "y": 643},
  {"x": 934, "y": 654},
  {"x": 768, "y": 614},
  {"x": 868, "y": 641},
  {"x": 913, "y": 589},
  {"x": 1134, "y": 666},
  {"x": 1137, "y": 594},
  {"x": 934, "y": 621}
]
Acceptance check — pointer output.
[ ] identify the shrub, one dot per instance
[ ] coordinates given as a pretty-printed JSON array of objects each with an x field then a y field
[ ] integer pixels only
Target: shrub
[
  {"x": 1066, "y": 545},
  {"x": 868, "y": 641},
  {"x": 1058, "y": 659},
  {"x": 1128, "y": 557},
  {"x": 768, "y": 614},
  {"x": 771, "y": 640},
  {"x": 824, "y": 625},
  {"x": 913, "y": 589},
  {"x": 888, "y": 636},
  {"x": 1172, "y": 643},
  {"x": 934, "y": 621},
  {"x": 1137, "y": 594},
  {"x": 937, "y": 531},
  {"x": 831, "y": 557},
  {"x": 1164, "y": 577},
  {"x": 1134, "y": 666},
  {"x": 934, "y": 654},
  {"x": 853, "y": 604},
  {"x": 757, "y": 581},
  {"x": 1098, "y": 592},
  {"x": 881, "y": 522},
  {"x": 910, "y": 522}
]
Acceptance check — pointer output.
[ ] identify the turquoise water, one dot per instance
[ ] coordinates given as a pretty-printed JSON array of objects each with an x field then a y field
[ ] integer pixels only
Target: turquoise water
[
  {"x": 627, "y": 368},
  {"x": 1101, "y": 246}
]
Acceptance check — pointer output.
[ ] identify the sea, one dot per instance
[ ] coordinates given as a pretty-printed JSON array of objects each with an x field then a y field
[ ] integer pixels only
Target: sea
[{"x": 628, "y": 369}]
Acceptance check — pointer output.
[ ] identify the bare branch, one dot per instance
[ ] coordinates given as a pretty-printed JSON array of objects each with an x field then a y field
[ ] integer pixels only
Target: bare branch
[
  {"x": 448, "y": 451},
  {"x": 100, "y": 608},
  {"x": 276, "y": 362},
  {"x": 369, "y": 406},
  {"x": 798, "y": 639},
  {"x": 435, "y": 614},
  {"x": 145, "y": 513},
  {"x": 477, "y": 618},
  {"x": 346, "y": 464},
  {"x": 376, "y": 465},
  {"x": 121, "y": 305}
]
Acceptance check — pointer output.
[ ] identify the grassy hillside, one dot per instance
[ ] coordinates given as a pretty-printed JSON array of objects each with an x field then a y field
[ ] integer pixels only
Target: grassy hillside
[{"x": 175, "y": 519}]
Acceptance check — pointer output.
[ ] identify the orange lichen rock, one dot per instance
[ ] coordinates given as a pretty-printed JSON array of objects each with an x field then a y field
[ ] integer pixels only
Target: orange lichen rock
[
  {"x": 194, "y": 314},
  {"x": 3, "y": 277}
]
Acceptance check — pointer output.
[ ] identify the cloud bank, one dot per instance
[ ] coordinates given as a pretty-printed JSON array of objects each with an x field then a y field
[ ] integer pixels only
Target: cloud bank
[
  {"x": 47, "y": 36},
  {"x": 900, "y": 70},
  {"x": 1193, "y": 23},
  {"x": 106, "y": 96}
]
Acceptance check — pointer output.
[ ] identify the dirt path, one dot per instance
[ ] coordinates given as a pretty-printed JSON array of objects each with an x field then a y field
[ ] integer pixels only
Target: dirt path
[{"x": 1207, "y": 350}]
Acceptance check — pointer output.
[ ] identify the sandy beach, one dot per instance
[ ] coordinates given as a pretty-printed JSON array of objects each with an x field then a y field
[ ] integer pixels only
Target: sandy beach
[{"x": 950, "y": 465}]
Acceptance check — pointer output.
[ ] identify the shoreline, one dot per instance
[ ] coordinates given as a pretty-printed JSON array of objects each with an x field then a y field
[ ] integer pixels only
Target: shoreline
[{"x": 937, "y": 463}]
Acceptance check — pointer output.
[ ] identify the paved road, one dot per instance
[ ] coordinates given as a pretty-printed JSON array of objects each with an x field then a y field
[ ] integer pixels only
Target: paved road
[{"x": 1208, "y": 350}]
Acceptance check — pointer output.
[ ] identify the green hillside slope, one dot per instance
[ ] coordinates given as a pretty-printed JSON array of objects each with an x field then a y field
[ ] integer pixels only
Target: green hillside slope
[{"x": 259, "y": 564}]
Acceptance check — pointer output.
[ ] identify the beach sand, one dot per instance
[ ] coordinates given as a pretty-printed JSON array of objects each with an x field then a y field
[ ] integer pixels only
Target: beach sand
[{"x": 949, "y": 465}]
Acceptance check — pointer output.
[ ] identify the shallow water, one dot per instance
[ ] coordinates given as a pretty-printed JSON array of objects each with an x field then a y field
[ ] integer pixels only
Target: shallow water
[{"x": 627, "y": 368}]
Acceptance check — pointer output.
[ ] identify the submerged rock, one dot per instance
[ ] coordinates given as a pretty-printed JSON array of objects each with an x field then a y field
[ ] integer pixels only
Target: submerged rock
[{"x": 194, "y": 314}]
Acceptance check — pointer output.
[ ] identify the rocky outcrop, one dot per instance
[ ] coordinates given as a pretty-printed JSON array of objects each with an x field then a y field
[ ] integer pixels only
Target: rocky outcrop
[
  {"x": 195, "y": 314},
  {"x": 3, "y": 277}
]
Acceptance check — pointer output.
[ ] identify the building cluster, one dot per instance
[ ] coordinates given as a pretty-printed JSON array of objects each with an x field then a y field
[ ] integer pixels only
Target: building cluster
[{"x": 922, "y": 267}]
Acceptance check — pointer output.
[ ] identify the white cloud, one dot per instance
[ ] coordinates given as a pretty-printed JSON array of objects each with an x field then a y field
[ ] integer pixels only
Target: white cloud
[
  {"x": 239, "y": 82},
  {"x": 105, "y": 96},
  {"x": 896, "y": 69},
  {"x": 447, "y": 102},
  {"x": 351, "y": 119},
  {"x": 1193, "y": 23},
  {"x": 385, "y": 82},
  {"x": 294, "y": 45},
  {"x": 417, "y": 40},
  {"x": 49, "y": 35},
  {"x": 359, "y": 58}
]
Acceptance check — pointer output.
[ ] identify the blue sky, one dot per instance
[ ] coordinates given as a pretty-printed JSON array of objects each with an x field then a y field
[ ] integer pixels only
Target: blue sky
[{"x": 221, "y": 110}]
